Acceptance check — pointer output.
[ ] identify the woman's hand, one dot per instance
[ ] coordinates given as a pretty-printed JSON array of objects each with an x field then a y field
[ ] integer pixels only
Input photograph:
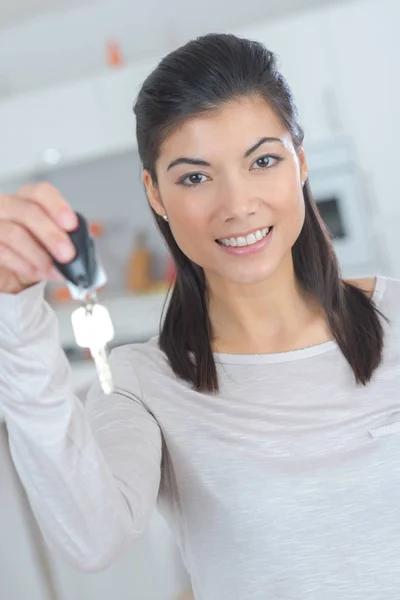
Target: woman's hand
[{"x": 33, "y": 228}]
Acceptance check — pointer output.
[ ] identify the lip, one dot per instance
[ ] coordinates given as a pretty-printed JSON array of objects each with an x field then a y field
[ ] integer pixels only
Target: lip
[{"x": 236, "y": 235}]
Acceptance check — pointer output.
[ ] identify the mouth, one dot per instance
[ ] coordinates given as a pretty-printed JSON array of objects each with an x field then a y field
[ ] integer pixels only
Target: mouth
[{"x": 245, "y": 240}]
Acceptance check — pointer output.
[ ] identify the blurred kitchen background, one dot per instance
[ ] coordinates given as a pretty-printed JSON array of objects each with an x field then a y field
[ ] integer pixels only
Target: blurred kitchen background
[{"x": 69, "y": 74}]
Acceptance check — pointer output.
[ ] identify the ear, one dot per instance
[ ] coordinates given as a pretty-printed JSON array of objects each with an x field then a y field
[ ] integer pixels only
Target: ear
[
  {"x": 303, "y": 164},
  {"x": 152, "y": 193}
]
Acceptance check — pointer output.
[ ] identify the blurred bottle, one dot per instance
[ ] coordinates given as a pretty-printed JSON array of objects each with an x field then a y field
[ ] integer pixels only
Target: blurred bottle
[{"x": 138, "y": 276}]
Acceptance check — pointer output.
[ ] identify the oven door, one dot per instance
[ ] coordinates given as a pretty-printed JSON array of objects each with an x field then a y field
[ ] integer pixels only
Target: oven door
[{"x": 338, "y": 197}]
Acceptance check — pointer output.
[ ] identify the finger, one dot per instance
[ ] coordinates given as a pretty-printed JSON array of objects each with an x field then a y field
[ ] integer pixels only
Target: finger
[
  {"x": 50, "y": 199},
  {"x": 17, "y": 264},
  {"x": 34, "y": 219},
  {"x": 20, "y": 241}
]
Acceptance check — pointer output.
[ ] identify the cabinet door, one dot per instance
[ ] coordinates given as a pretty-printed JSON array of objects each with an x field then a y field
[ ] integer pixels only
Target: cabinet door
[
  {"x": 18, "y": 150},
  {"x": 151, "y": 570},
  {"x": 80, "y": 120},
  {"x": 116, "y": 94},
  {"x": 66, "y": 118},
  {"x": 365, "y": 50},
  {"x": 22, "y": 572},
  {"x": 390, "y": 242},
  {"x": 300, "y": 43}
]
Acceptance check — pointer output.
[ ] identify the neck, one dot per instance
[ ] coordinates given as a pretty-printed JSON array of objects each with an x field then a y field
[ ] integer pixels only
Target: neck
[{"x": 270, "y": 316}]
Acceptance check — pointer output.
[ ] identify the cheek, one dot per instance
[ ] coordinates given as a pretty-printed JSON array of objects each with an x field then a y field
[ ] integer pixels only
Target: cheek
[
  {"x": 189, "y": 226},
  {"x": 289, "y": 215},
  {"x": 290, "y": 212}
]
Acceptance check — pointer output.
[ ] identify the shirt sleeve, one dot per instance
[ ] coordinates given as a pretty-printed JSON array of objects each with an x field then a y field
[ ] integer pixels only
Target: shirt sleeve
[{"x": 91, "y": 472}]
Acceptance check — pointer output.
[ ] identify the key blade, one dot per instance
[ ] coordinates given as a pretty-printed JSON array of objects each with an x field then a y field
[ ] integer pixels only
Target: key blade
[
  {"x": 100, "y": 357},
  {"x": 93, "y": 329}
]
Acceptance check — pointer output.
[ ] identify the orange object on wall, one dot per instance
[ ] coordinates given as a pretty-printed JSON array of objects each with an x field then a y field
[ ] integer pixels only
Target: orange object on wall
[
  {"x": 60, "y": 294},
  {"x": 96, "y": 228},
  {"x": 114, "y": 54}
]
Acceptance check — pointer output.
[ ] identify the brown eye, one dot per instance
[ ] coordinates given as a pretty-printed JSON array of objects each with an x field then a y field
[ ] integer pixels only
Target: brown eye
[
  {"x": 195, "y": 178},
  {"x": 192, "y": 179},
  {"x": 264, "y": 162}
]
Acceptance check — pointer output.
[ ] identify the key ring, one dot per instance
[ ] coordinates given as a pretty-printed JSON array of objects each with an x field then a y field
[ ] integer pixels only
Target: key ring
[{"x": 88, "y": 297}]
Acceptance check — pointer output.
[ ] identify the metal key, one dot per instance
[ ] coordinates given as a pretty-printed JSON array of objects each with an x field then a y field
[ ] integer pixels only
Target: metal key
[
  {"x": 93, "y": 329},
  {"x": 91, "y": 322}
]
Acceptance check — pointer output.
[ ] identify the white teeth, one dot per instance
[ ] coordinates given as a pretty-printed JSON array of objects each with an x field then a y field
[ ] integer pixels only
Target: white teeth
[{"x": 250, "y": 239}]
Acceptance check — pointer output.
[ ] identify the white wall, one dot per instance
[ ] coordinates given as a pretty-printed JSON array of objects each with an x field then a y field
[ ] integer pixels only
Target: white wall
[{"x": 365, "y": 57}]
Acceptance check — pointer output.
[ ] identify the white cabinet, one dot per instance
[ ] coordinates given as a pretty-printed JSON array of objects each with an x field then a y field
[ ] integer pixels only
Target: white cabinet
[
  {"x": 93, "y": 117},
  {"x": 116, "y": 93},
  {"x": 365, "y": 53},
  {"x": 22, "y": 565},
  {"x": 66, "y": 118},
  {"x": 80, "y": 120},
  {"x": 341, "y": 63},
  {"x": 151, "y": 570},
  {"x": 365, "y": 57},
  {"x": 303, "y": 52}
]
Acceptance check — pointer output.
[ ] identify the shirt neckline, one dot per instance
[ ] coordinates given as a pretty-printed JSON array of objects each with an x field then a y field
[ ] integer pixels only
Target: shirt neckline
[{"x": 291, "y": 355}]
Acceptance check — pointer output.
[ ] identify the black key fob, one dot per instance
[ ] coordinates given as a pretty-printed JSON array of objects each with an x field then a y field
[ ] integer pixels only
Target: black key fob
[{"x": 81, "y": 271}]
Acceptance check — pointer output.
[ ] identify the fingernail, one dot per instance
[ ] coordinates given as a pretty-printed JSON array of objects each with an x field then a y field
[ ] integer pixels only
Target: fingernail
[
  {"x": 65, "y": 251},
  {"x": 68, "y": 220}
]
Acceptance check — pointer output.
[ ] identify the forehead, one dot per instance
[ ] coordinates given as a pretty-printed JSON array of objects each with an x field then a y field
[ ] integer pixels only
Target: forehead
[{"x": 235, "y": 125}]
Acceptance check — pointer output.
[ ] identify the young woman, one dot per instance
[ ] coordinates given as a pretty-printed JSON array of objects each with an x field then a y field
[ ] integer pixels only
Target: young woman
[{"x": 265, "y": 418}]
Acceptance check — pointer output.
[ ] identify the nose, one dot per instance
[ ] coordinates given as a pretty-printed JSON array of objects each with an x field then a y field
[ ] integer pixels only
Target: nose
[{"x": 237, "y": 200}]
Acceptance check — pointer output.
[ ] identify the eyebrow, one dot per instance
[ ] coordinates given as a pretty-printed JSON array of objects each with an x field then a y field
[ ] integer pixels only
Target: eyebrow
[{"x": 203, "y": 163}]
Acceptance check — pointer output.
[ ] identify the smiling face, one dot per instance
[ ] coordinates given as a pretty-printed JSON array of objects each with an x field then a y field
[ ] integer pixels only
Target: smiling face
[{"x": 231, "y": 185}]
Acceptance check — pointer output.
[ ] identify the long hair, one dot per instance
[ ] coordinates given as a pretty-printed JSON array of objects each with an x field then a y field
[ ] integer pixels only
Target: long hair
[{"x": 198, "y": 78}]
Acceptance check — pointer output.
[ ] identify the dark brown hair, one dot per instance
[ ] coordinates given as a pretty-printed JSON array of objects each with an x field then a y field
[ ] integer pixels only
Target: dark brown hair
[{"x": 200, "y": 77}]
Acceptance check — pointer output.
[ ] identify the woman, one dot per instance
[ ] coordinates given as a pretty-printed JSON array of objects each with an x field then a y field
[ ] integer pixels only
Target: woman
[{"x": 257, "y": 419}]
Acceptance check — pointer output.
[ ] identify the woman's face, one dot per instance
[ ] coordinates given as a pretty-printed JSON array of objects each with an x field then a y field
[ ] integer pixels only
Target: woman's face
[{"x": 223, "y": 182}]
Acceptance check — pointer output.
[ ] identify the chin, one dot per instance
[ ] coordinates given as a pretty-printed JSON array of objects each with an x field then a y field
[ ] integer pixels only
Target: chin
[{"x": 249, "y": 276}]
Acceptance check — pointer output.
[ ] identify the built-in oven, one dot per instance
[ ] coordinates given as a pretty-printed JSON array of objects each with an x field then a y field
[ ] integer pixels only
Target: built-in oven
[{"x": 339, "y": 190}]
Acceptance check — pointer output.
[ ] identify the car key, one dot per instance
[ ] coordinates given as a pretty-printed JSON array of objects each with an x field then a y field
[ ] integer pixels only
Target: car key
[{"x": 91, "y": 323}]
